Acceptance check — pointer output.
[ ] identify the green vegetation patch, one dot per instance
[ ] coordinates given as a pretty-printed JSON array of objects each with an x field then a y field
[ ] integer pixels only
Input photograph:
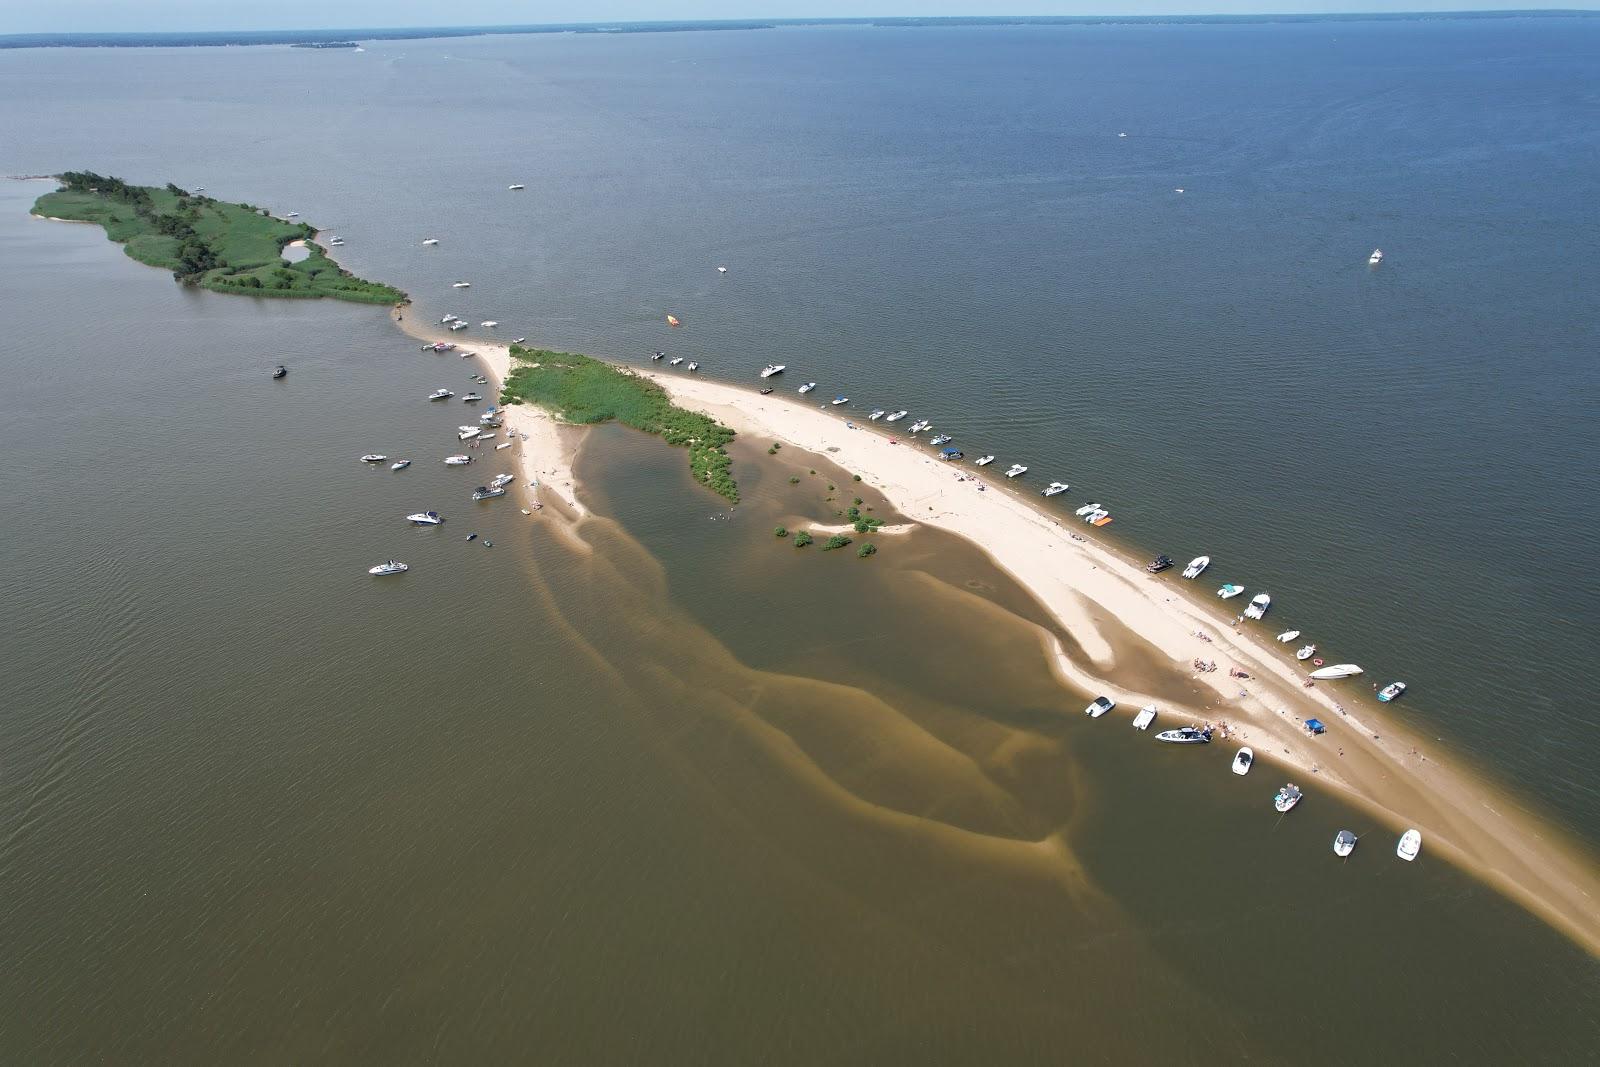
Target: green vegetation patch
[
  {"x": 228, "y": 248},
  {"x": 584, "y": 390}
]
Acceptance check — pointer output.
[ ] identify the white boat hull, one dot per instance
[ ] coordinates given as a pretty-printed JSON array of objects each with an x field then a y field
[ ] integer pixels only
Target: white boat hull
[
  {"x": 1335, "y": 672},
  {"x": 1410, "y": 845}
]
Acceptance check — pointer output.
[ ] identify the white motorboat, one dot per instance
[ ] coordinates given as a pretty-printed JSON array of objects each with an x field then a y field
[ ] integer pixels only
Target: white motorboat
[
  {"x": 457, "y": 461},
  {"x": 502, "y": 444},
  {"x": 1086, "y": 509},
  {"x": 1016, "y": 470},
  {"x": 468, "y": 434},
  {"x": 674, "y": 361},
  {"x": 425, "y": 518},
  {"x": 1185, "y": 735},
  {"x": 897, "y": 416},
  {"x": 722, "y": 270},
  {"x": 1287, "y": 636},
  {"x": 458, "y": 325},
  {"x": 1196, "y": 566},
  {"x": 773, "y": 368},
  {"x": 1099, "y": 707},
  {"x": 1287, "y": 797},
  {"x": 1305, "y": 652},
  {"x": 1055, "y": 489},
  {"x": 1392, "y": 691},
  {"x": 440, "y": 394},
  {"x": 840, "y": 400},
  {"x": 487, "y": 436},
  {"x": 876, "y": 415},
  {"x": 484, "y": 492},
  {"x": 1242, "y": 760},
  {"x": 373, "y": 457},
  {"x": 489, "y": 323},
  {"x": 292, "y": 215},
  {"x": 1410, "y": 845},
  {"x": 1338, "y": 670},
  {"x": 448, "y": 319},
  {"x": 1146, "y": 716},
  {"x": 941, "y": 439},
  {"x": 1229, "y": 591},
  {"x": 470, "y": 398},
  {"x": 984, "y": 461},
  {"x": 692, "y": 366},
  {"x": 502, "y": 479},
  {"x": 655, "y": 356},
  {"x": 400, "y": 465},
  {"x": 1258, "y": 606},
  {"x": 1376, "y": 257},
  {"x": 429, "y": 242},
  {"x": 514, "y": 187},
  {"x": 461, "y": 285},
  {"x": 1344, "y": 843},
  {"x": 806, "y": 388},
  {"x": 1096, "y": 515},
  {"x": 392, "y": 566}
]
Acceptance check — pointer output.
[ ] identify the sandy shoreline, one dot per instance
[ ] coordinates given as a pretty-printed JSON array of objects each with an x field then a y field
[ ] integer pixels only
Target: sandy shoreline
[{"x": 1080, "y": 581}]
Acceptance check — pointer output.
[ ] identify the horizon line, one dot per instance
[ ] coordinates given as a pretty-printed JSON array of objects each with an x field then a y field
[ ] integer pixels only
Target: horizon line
[{"x": 129, "y": 38}]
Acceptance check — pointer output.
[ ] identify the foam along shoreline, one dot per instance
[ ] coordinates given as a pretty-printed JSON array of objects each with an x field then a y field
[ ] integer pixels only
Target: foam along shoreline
[
  {"x": 548, "y": 448},
  {"x": 1371, "y": 760}
]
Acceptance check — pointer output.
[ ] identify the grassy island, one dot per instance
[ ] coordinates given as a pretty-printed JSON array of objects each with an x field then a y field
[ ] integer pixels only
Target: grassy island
[
  {"x": 230, "y": 248},
  {"x": 584, "y": 390}
]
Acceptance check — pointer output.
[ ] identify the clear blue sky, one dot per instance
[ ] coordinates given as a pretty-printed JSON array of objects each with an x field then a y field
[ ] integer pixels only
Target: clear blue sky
[{"x": 28, "y": 16}]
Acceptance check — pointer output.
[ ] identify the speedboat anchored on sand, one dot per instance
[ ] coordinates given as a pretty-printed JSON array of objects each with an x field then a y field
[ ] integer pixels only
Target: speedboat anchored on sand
[
  {"x": 1305, "y": 652},
  {"x": 1258, "y": 606},
  {"x": 1016, "y": 470},
  {"x": 1229, "y": 591},
  {"x": 1185, "y": 735},
  {"x": 1099, "y": 707},
  {"x": 1196, "y": 566},
  {"x": 1242, "y": 761},
  {"x": 1338, "y": 670}
]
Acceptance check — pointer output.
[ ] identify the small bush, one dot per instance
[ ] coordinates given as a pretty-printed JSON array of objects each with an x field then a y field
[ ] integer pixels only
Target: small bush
[
  {"x": 775, "y": 446},
  {"x": 830, "y": 487},
  {"x": 795, "y": 480},
  {"x": 802, "y": 539},
  {"x": 868, "y": 549},
  {"x": 855, "y": 477},
  {"x": 779, "y": 531},
  {"x": 856, "y": 502},
  {"x": 773, "y": 451},
  {"x": 836, "y": 541}
]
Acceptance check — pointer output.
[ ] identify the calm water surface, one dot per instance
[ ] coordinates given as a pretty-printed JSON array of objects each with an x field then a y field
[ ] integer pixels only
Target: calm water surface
[{"x": 691, "y": 795}]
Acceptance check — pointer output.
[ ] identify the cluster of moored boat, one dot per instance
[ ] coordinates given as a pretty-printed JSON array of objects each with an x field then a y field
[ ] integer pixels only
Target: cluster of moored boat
[
  {"x": 1286, "y": 798},
  {"x": 485, "y": 429}
]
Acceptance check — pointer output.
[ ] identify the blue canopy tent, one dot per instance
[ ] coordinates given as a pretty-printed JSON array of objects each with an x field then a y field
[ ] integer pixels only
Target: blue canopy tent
[{"x": 1315, "y": 726}]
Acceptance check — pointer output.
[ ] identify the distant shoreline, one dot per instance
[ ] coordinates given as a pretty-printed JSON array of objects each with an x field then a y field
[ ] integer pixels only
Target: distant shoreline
[{"x": 347, "y": 37}]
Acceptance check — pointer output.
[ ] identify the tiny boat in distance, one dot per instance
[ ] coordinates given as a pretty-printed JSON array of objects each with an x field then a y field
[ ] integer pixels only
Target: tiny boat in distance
[
  {"x": 1344, "y": 843},
  {"x": 840, "y": 400},
  {"x": 440, "y": 394},
  {"x": 1392, "y": 691},
  {"x": 1242, "y": 761},
  {"x": 1097, "y": 517},
  {"x": 1159, "y": 564},
  {"x": 1410, "y": 845},
  {"x": 392, "y": 566},
  {"x": 1099, "y": 707},
  {"x": 1305, "y": 652},
  {"x": 468, "y": 434},
  {"x": 1229, "y": 591},
  {"x": 941, "y": 439},
  {"x": 722, "y": 270},
  {"x": 461, "y": 285},
  {"x": 1185, "y": 735},
  {"x": 425, "y": 518},
  {"x": 767, "y": 391},
  {"x": 471, "y": 398},
  {"x": 400, "y": 465},
  {"x": 514, "y": 187},
  {"x": 1287, "y": 636},
  {"x": 806, "y": 388},
  {"x": 502, "y": 479},
  {"x": 773, "y": 368},
  {"x": 692, "y": 366},
  {"x": 876, "y": 415},
  {"x": 1376, "y": 257},
  {"x": 984, "y": 461},
  {"x": 1086, "y": 510},
  {"x": 1055, "y": 489},
  {"x": 674, "y": 361},
  {"x": 502, "y": 444},
  {"x": 1258, "y": 606},
  {"x": 429, "y": 242},
  {"x": 1338, "y": 670},
  {"x": 373, "y": 457},
  {"x": 1196, "y": 566},
  {"x": 457, "y": 461},
  {"x": 657, "y": 355},
  {"x": 448, "y": 319},
  {"x": 1287, "y": 797},
  {"x": 672, "y": 320},
  {"x": 484, "y": 492},
  {"x": 280, "y": 371},
  {"x": 457, "y": 325},
  {"x": 489, "y": 323},
  {"x": 897, "y": 416},
  {"x": 1017, "y": 470}
]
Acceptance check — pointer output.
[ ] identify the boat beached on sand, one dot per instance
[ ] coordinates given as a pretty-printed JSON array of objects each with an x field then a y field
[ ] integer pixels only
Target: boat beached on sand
[
  {"x": 1099, "y": 707},
  {"x": 1410, "y": 845},
  {"x": 1016, "y": 470},
  {"x": 1186, "y": 735},
  {"x": 1338, "y": 670},
  {"x": 1159, "y": 564},
  {"x": 1196, "y": 565},
  {"x": 1242, "y": 760},
  {"x": 1287, "y": 636},
  {"x": 1305, "y": 652},
  {"x": 1258, "y": 606}
]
